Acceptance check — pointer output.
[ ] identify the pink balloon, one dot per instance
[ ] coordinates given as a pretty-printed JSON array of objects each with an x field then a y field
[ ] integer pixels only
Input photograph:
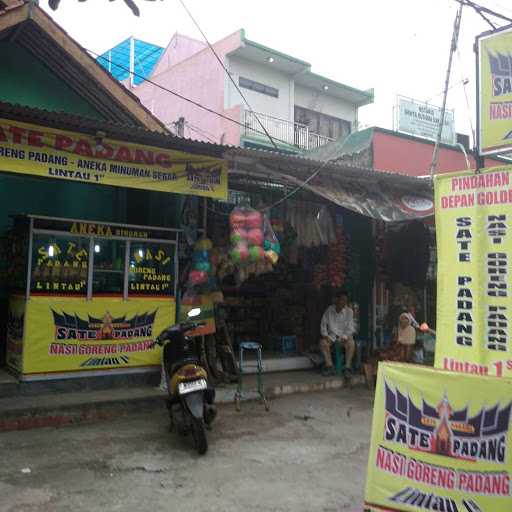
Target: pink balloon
[{"x": 255, "y": 237}]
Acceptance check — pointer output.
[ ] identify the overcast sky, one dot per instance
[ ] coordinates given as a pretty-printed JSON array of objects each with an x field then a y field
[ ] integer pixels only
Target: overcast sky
[{"x": 394, "y": 46}]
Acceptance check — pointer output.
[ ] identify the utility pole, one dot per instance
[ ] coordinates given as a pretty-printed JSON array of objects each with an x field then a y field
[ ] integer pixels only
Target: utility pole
[{"x": 453, "y": 48}]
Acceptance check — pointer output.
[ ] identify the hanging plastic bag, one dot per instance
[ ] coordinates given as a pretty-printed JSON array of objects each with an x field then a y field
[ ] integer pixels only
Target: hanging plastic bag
[{"x": 246, "y": 236}]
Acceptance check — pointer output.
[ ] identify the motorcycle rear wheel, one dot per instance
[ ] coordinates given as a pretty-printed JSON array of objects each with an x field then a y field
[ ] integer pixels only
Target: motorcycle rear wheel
[{"x": 199, "y": 433}]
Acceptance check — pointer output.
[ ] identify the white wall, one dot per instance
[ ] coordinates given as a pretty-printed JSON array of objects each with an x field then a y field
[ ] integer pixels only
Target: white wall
[
  {"x": 321, "y": 102},
  {"x": 281, "y": 107}
]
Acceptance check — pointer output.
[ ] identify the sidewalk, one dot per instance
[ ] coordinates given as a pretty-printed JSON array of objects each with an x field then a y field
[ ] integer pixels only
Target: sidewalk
[{"x": 57, "y": 409}]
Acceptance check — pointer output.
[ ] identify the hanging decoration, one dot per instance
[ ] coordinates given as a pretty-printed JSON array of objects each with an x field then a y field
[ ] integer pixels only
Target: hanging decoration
[{"x": 254, "y": 246}]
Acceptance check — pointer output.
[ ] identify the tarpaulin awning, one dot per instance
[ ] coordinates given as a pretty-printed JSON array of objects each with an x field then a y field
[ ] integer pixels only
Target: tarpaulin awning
[{"x": 384, "y": 196}]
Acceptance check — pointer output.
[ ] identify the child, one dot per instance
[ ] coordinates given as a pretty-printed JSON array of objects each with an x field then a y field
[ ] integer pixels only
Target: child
[{"x": 417, "y": 352}]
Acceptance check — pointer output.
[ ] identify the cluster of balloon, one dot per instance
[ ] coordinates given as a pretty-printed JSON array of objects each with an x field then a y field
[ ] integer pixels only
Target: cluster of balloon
[
  {"x": 246, "y": 235},
  {"x": 254, "y": 246},
  {"x": 201, "y": 263}
]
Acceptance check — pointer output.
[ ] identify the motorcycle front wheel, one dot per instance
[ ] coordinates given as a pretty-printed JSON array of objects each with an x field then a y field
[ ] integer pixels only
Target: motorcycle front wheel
[{"x": 199, "y": 433}]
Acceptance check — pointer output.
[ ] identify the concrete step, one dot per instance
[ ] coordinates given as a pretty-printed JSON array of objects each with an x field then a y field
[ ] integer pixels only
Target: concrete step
[
  {"x": 57, "y": 409},
  {"x": 10, "y": 386}
]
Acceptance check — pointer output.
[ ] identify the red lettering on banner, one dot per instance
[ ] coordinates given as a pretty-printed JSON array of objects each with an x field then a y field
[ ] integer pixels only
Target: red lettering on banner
[
  {"x": 464, "y": 367},
  {"x": 106, "y": 152},
  {"x": 17, "y": 134},
  {"x": 123, "y": 154},
  {"x": 458, "y": 201},
  {"x": 83, "y": 148},
  {"x": 63, "y": 142},
  {"x": 428, "y": 474},
  {"x": 389, "y": 461},
  {"x": 488, "y": 180},
  {"x": 495, "y": 484},
  {"x": 144, "y": 157},
  {"x": 163, "y": 160},
  {"x": 34, "y": 138}
]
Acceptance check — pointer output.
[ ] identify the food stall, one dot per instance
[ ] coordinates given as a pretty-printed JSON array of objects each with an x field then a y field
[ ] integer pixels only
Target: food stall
[{"x": 88, "y": 296}]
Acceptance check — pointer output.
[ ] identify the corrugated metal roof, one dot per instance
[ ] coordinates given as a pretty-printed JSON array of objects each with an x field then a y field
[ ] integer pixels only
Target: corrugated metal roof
[
  {"x": 116, "y": 60},
  {"x": 302, "y": 166},
  {"x": 39, "y": 34},
  {"x": 267, "y": 165},
  {"x": 125, "y": 132}
]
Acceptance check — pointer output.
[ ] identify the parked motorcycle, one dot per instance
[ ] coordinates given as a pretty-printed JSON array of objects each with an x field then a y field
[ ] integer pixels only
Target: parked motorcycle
[{"x": 191, "y": 399}]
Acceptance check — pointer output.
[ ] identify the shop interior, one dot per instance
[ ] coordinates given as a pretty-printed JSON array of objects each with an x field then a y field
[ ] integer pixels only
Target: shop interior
[{"x": 383, "y": 267}]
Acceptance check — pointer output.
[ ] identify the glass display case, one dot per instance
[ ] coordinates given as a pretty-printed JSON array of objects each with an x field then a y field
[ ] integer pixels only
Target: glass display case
[{"x": 91, "y": 296}]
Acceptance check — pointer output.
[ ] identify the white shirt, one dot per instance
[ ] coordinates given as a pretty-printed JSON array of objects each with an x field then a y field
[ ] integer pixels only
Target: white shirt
[{"x": 335, "y": 324}]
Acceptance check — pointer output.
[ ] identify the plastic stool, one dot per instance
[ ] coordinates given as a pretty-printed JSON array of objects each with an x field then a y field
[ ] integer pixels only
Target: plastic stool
[
  {"x": 250, "y": 345},
  {"x": 339, "y": 357}
]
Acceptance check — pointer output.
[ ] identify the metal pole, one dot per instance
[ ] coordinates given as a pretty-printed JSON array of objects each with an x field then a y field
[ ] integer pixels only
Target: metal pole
[{"x": 453, "y": 47}]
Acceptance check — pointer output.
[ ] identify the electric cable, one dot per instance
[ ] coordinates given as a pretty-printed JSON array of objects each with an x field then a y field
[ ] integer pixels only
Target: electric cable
[
  {"x": 219, "y": 60},
  {"x": 463, "y": 81},
  {"x": 199, "y": 132}
]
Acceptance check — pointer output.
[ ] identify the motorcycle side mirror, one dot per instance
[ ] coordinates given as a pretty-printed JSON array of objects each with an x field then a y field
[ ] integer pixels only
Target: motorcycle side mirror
[{"x": 194, "y": 312}]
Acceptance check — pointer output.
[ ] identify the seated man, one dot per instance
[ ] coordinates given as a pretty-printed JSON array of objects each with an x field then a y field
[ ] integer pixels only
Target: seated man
[{"x": 337, "y": 326}]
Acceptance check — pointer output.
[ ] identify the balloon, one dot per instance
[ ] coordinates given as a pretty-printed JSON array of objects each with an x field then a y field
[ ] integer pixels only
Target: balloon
[
  {"x": 203, "y": 266},
  {"x": 255, "y": 237},
  {"x": 272, "y": 257},
  {"x": 253, "y": 219},
  {"x": 276, "y": 247},
  {"x": 197, "y": 277},
  {"x": 238, "y": 235},
  {"x": 236, "y": 219},
  {"x": 256, "y": 253},
  {"x": 239, "y": 253},
  {"x": 200, "y": 256},
  {"x": 203, "y": 244},
  {"x": 267, "y": 245}
]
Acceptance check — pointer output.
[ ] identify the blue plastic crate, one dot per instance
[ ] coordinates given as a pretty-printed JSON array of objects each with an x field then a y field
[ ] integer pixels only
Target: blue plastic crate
[{"x": 285, "y": 344}]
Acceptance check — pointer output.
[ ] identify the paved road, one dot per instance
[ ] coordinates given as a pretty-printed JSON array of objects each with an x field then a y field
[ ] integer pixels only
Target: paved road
[{"x": 307, "y": 454}]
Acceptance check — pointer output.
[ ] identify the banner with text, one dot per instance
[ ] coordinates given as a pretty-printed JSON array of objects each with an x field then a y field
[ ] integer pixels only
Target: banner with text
[
  {"x": 474, "y": 292},
  {"x": 440, "y": 441},
  {"x": 494, "y": 72},
  {"x": 74, "y": 334},
  {"x": 64, "y": 155}
]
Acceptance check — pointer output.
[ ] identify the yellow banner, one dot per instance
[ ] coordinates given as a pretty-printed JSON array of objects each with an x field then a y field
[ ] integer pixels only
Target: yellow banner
[
  {"x": 440, "y": 441},
  {"x": 15, "y": 327},
  {"x": 74, "y": 334},
  {"x": 70, "y": 156},
  {"x": 495, "y": 92},
  {"x": 474, "y": 294}
]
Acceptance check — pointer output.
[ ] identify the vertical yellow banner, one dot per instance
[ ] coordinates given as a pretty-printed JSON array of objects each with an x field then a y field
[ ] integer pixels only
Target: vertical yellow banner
[{"x": 474, "y": 298}]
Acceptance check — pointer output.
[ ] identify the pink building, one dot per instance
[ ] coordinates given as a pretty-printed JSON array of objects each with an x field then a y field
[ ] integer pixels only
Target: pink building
[{"x": 300, "y": 109}]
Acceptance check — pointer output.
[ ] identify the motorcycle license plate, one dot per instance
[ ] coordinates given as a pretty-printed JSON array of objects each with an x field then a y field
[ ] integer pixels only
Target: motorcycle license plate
[{"x": 190, "y": 387}]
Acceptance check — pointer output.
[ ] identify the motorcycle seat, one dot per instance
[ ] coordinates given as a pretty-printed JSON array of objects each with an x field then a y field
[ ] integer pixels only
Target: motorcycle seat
[{"x": 183, "y": 362}]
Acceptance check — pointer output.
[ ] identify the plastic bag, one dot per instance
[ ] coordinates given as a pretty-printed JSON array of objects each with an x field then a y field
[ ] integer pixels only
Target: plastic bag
[{"x": 253, "y": 243}]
